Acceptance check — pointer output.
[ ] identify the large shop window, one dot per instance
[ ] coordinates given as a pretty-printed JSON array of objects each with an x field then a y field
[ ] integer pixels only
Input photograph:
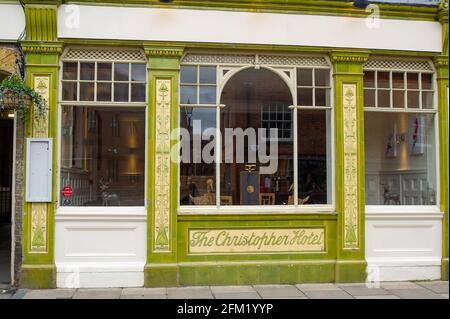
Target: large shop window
[
  {"x": 400, "y": 142},
  {"x": 250, "y": 144},
  {"x": 103, "y": 134}
]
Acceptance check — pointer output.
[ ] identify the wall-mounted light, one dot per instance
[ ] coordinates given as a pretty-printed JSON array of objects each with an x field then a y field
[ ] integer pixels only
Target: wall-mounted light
[
  {"x": 11, "y": 115},
  {"x": 360, "y": 4}
]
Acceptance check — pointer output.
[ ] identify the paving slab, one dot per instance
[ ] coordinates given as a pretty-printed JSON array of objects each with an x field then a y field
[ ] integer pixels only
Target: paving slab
[
  {"x": 19, "y": 294},
  {"x": 317, "y": 287},
  {"x": 144, "y": 293},
  {"x": 415, "y": 293},
  {"x": 377, "y": 297},
  {"x": 439, "y": 287},
  {"x": 445, "y": 296},
  {"x": 399, "y": 285},
  {"x": 49, "y": 294},
  {"x": 189, "y": 293},
  {"x": 231, "y": 289},
  {"x": 328, "y": 294},
  {"x": 363, "y": 290},
  {"x": 238, "y": 295},
  {"x": 6, "y": 296},
  {"x": 112, "y": 293},
  {"x": 278, "y": 291}
]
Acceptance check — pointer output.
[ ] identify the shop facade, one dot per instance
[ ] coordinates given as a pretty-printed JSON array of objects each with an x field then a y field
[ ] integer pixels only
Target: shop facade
[{"x": 238, "y": 142}]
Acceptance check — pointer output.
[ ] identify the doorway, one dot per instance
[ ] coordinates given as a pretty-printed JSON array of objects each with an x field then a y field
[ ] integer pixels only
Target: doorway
[{"x": 6, "y": 169}]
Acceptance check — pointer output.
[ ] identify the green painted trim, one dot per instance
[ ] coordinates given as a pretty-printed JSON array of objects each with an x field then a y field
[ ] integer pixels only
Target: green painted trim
[
  {"x": 38, "y": 276},
  {"x": 165, "y": 275},
  {"x": 351, "y": 271},
  {"x": 240, "y": 273},
  {"x": 41, "y": 22},
  {"x": 257, "y": 217},
  {"x": 237, "y": 48},
  {"x": 444, "y": 269},
  {"x": 320, "y": 7}
]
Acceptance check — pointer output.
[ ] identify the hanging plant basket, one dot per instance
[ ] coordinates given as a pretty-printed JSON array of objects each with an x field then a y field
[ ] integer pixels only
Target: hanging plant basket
[{"x": 17, "y": 96}]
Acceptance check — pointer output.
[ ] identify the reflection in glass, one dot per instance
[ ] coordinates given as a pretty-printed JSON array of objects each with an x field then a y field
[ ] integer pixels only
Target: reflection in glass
[
  {"x": 197, "y": 178},
  {"x": 207, "y": 95},
  {"x": 398, "y": 81},
  {"x": 305, "y": 97},
  {"x": 369, "y": 79},
  {"x": 400, "y": 158},
  {"x": 103, "y": 91},
  {"x": 304, "y": 77},
  {"x": 86, "y": 91},
  {"x": 207, "y": 75},
  {"x": 413, "y": 80},
  {"x": 369, "y": 98},
  {"x": 427, "y": 100},
  {"x": 103, "y": 155},
  {"x": 188, "y": 74},
  {"x": 398, "y": 99},
  {"x": 104, "y": 71},
  {"x": 427, "y": 81},
  {"x": 121, "y": 71},
  {"x": 137, "y": 92},
  {"x": 322, "y": 77},
  {"x": 384, "y": 98},
  {"x": 138, "y": 72},
  {"x": 255, "y": 99},
  {"x": 69, "y": 91},
  {"x": 314, "y": 156},
  {"x": 383, "y": 80},
  {"x": 70, "y": 71},
  {"x": 413, "y": 99},
  {"x": 188, "y": 94},
  {"x": 121, "y": 92},
  {"x": 87, "y": 71},
  {"x": 322, "y": 97}
]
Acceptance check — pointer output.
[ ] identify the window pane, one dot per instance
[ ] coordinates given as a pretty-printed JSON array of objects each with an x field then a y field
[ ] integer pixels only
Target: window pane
[
  {"x": 304, "y": 77},
  {"x": 398, "y": 98},
  {"x": 188, "y": 94},
  {"x": 207, "y": 95},
  {"x": 87, "y": 71},
  {"x": 322, "y": 77},
  {"x": 138, "y": 92},
  {"x": 104, "y": 71},
  {"x": 121, "y": 71},
  {"x": 413, "y": 99},
  {"x": 69, "y": 91},
  {"x": 103, "y": 91},
  {"x": 322, "y": 97},
  {"x": 188, "y": 74},
  {"x": 138, "y": 72},
  {"x": 384, "y": 98},
  {"x": 103, "y": 155},
  {"x": 86, "y": 91},
  {"x": 383, "y": 80},
  {"x": 398, "y": 81},
  {"x": 70, "y": 71},
  {"x": 413, "y": 80},
  {"x": 400, "y": 159},
  {"x": 369, "y": 98},
  {"x": 427, "y": 100},
  {"x": 121, "y": 92},
  {"x": 305, "y": 97},
  {"x": 208, "y": 75},
  {"x": 197, "y": 172},
  {"x": 247, "y": 177},
  {"x": 314, "y": 158},
  {"x": 369, "y": 79},
  {"x": 427, "y": 81}
]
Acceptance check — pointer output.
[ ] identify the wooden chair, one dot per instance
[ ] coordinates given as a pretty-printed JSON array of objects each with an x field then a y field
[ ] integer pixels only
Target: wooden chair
[
  {"x": 267, "y": 199},
  {"x": 226, "y": 200}
]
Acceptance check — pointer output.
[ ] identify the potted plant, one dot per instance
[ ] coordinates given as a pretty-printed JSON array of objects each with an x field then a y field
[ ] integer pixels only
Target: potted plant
[{"x": 16, "y": 95}]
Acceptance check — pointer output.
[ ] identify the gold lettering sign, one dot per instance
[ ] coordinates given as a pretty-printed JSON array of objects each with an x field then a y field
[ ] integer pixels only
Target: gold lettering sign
[{"x": 218, "y": 241}]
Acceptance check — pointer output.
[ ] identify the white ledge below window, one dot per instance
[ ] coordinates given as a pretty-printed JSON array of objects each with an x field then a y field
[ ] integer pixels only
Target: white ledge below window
[
  {"x": 256, "y": 210},
  {"x": 403, "y": 211}
]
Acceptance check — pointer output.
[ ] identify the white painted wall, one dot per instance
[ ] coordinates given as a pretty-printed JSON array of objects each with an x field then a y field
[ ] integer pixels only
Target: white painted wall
[
  {"x": 159, "y": 24},
  {"x": 404, "y": 244},
  {"x": 12, "y": 22},
  {"x": 101, "y": 247}
]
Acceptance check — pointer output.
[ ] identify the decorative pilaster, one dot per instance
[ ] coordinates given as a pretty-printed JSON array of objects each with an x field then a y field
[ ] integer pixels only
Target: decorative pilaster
[
  {"x": 42, "y": 54},
  {"x": 349, "y": 140},
  {"x": 442, "y": 75},
  {"x": 163, "y": 68}
]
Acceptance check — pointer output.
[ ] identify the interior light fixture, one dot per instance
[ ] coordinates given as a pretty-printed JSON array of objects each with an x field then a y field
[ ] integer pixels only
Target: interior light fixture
[{"x": 360, "y": 4}]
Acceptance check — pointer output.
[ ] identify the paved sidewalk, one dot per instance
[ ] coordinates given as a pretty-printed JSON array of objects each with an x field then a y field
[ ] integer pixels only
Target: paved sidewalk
[{"x": 386, "y": 290}]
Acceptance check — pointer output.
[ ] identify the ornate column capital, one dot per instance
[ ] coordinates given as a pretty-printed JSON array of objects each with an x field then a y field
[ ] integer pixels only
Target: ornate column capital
[
  {"x": 440, "y": 61},
  {"x": 443, "y": 11},
  {"x": 348, "y": 57},
  {"x": 52, "y": 47},
  {"x": 167, "y": 52}
]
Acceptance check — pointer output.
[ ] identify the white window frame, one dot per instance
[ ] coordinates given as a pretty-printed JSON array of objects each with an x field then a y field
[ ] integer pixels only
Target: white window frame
[
  {"x": 102, "y": 210},
  {"x": 221, "y": 80},
  {"x": 407, "y": 210}
]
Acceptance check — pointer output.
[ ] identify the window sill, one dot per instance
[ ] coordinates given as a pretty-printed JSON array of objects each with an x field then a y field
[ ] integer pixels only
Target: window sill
[
  {"x": 102, "y": 213},
  {"x": 256, "y": 210},
  {"x": 403, "y": 211}
]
